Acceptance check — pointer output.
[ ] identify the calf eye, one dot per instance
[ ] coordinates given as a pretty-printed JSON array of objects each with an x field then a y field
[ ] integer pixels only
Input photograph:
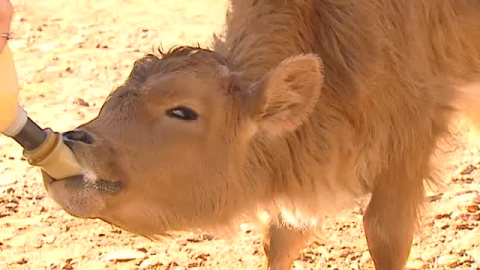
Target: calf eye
[{"x": 182, "y": 113}]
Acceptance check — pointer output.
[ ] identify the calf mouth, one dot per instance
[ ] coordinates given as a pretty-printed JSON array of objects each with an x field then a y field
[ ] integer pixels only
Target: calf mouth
[{"x": 80, "y": 196}]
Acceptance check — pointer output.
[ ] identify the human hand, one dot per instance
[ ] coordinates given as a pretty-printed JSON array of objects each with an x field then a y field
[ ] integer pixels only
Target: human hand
[{"x": 6, "y": 15}]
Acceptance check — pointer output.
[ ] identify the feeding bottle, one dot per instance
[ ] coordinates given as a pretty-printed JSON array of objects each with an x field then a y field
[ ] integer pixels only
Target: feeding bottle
[{"x": 42, "y": 147}]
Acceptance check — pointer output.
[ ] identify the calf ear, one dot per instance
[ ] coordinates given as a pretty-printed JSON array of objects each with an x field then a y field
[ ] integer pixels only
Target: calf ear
[{"x": 286, "y": 96}]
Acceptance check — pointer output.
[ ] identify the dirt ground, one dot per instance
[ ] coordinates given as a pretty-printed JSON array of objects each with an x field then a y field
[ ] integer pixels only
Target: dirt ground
[{"x": 70, "y": 55}]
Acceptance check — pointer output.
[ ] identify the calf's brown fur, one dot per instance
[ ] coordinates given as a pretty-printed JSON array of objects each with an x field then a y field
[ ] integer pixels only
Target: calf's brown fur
[{"x": 302, "y": 106}]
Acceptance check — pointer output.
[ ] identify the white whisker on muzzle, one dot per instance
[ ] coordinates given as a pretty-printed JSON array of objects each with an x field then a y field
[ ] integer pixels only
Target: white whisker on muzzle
[{"x": 89, "y": 175}]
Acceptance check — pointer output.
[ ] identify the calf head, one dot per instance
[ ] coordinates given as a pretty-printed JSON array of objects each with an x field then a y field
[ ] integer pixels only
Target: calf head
[{"x": 168, "y": 148}]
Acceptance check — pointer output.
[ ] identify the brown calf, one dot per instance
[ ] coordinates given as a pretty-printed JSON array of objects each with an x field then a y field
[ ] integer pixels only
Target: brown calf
[{"x": 302, "y": 106}]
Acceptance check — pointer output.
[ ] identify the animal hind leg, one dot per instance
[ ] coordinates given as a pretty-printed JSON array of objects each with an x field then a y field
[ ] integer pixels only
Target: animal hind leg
[
  {"x": 391, "y": 216},
  {"x": 282, "y": 244}
]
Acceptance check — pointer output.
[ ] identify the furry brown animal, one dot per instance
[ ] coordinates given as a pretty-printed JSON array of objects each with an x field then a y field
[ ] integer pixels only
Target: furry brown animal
[{"x": 302, "y": 106}]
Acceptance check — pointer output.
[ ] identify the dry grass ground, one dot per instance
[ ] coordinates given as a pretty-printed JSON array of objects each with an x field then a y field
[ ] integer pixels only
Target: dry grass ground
[{"x": 69, "y": 56}]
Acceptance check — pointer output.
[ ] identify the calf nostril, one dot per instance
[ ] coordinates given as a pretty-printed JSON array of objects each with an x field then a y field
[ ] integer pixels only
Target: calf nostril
[{"x": 78, "y": 136}]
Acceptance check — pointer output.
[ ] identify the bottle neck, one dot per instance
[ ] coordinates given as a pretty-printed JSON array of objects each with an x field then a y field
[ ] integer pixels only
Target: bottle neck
[{"x": 31, "y": 136}]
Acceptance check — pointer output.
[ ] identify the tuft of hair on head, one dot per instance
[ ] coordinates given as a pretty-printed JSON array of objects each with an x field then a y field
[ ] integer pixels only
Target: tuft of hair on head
[{"x": 181, "y": 50}]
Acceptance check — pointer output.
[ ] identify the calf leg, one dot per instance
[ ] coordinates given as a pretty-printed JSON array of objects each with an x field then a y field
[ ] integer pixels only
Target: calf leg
[
  {"x": 283, "y": 244},
  {"x": 390, "y": 218}
]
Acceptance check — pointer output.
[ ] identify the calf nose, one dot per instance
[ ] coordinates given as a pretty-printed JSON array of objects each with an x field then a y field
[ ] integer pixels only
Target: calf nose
[{"x": 72, "y": 137}]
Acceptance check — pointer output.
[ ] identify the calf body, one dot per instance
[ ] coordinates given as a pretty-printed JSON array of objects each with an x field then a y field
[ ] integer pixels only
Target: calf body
[
  {"x": 392, "y": 76},
  {"x": 301, "y": 107}
]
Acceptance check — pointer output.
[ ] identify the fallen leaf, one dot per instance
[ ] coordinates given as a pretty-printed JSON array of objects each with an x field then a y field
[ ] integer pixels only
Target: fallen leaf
[
  {"x": 472, "y": 208},
  {"x": 50, "y": 239},
  {"x": 192, "y": 265},
  {"x": 148, "y": 263},
  {"x": 125, "y": 255},
  {"x": 448, "y": 260}
]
